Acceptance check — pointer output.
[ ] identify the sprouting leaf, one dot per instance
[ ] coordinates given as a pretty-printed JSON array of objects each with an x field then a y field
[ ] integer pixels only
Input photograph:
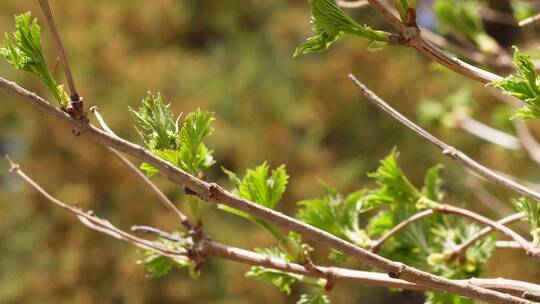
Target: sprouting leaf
[
  {"x": 195, "y": 156},
  {"x": 532, "y": 213},
  {"x": 183, "y": 145},
  {"x": 313, "y": 298},
  {"x": 261, "y": 186},
  {"x": 156, "y": 124},
  {"x": 157, "y": 265},
  {"x": 280, "y": 279},
  {"x": 394, "y": 185},
  {"x": 336, "y": 214},
  {"x": 432, "y": 184},
  {"x": 330, "y": 23},
  {"x": 24, "y": 52},
  {"x": 402, "y": 6},
  {"x": 523, "y": 84}
]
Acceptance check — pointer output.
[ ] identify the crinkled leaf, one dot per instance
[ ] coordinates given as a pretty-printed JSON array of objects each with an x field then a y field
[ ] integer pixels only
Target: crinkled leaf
[
  {"x": 330, "y": 23},
  {"x": 195, "y": 156},
  {"x": 261, "y": 186},
  {"x": 280, "y": 279},
  {"x": 432, "y": 184},
  {"x": 394, "y": 185},
  {"x": 531, "y": 209},
  {"x": 24, "y": 52},
  {"x": 157, "y": 265},
  {"x": 523, "y": 84},
  {"x": 155, "y": 123},
  {"x": 335, "y": 214}
]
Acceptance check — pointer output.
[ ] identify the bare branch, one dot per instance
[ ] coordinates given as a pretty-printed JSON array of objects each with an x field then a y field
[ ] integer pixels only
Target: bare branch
[
  {"x": 488, "y": 133},
  {"x": 352, "y": 4},
  {"x": 93, "y": 222},
  {"x": 184, "y": 220},
  {"x": 447, "y": 150},
  {"x": 529, "y": 21},
  {"x": 527, "y": 140}
]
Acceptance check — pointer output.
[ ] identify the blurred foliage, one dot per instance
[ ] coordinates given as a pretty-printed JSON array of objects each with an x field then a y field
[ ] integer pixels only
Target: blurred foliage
[{"x": 233, "y": 58}]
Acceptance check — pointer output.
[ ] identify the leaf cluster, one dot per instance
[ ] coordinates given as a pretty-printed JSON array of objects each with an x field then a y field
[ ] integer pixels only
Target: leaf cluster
[
  {"x": 532, "y": 213},
  {"x": 23, "y": 51},
  {"x": 523, "y": 84},
  {"x": 158, "y": 265},
  {"x": 182, "y": 145},
  {"x": 331, "y": 23},
  {"x": 337, "y": 214}
]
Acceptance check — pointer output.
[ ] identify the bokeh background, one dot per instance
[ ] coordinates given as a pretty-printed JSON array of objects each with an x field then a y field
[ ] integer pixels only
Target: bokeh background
[{"x": 233, "y": 58}]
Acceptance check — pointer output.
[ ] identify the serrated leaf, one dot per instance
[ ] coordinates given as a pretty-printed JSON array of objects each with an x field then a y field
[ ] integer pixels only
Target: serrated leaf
[
  {"x": 394, "y": 185},
  {"x": 280, "y": 279},
  {"x": 335, "y": 214},
  {"x": 24, "y": 52},
  {"x": 263, "y": 187},
  {"x": 330, "y": 23},
  {"x": 532, "y": 213},
  {"x": 432, "y": 184},
  {"x": 523, "y": 84},
  {"x": 194, "y": 154},
  {"x": 157, "y": 265}
]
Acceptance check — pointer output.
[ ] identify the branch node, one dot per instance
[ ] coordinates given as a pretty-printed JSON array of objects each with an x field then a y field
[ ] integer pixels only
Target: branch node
[
  {"x": 13, "y": 167},
  {"x": 397, "y": 274},
  {"x": 330, "y": 279}
]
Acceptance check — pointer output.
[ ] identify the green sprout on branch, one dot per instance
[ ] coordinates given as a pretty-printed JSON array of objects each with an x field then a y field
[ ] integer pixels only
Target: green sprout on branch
[{"x": 23, "y": 51}]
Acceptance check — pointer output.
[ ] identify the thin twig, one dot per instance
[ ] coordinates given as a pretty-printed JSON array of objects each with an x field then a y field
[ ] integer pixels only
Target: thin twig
[
  {"x": 447, "y": 150},
  {"x": 487, "y": 133},
  {"x": 212, "y": 192},
  {"x": 76, "y": 105},
  {"x": 416, "y": 217},
  {"x": 90, "y": 220},
  {"x": 527, "y": 140},
  {"x": 184, "y": 220},
  {"x": 529, "y": 21},
  {"x": 411, "y": 36},
  {"x": 352, "y": 4}
]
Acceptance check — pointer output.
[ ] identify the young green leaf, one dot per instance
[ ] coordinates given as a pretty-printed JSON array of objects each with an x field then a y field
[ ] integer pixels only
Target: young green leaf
[
  {"x": 313, "y": 298},
  {"x": 532, "y": 213},
  {"x": 262, "y": 187},
  {"x": 195, "y": 156},
  {"x": 156, "y": 125},
  {"x": 394, "y": 185},
  {"x": 280, "y": 279},
  {"x": 157, "y": 265},
  {"x": 24, "y": 52},
  {"x": 183, "y": 146},
  {"x": 336, "y": 215},
  {"x": 524, "y": 84},
  {"x": 330, "y": 23}
]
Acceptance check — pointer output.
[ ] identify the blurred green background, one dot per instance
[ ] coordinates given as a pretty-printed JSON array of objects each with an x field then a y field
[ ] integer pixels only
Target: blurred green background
[{"x": 233, "y": 58}]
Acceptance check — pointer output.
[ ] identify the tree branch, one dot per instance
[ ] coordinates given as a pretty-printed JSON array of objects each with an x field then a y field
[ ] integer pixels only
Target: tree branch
[
  {"x": 211, "y": 248},
  {"x": 487, "y": 133},
  {"x": 411, "y": 36},
  {"x": 212, "y": 192},
  {"x": 447, "y": 150},
  {"x": 76, "y": 102},
  {"x": 352, "y": 4},
  {"x": 184, "y": 220}
]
